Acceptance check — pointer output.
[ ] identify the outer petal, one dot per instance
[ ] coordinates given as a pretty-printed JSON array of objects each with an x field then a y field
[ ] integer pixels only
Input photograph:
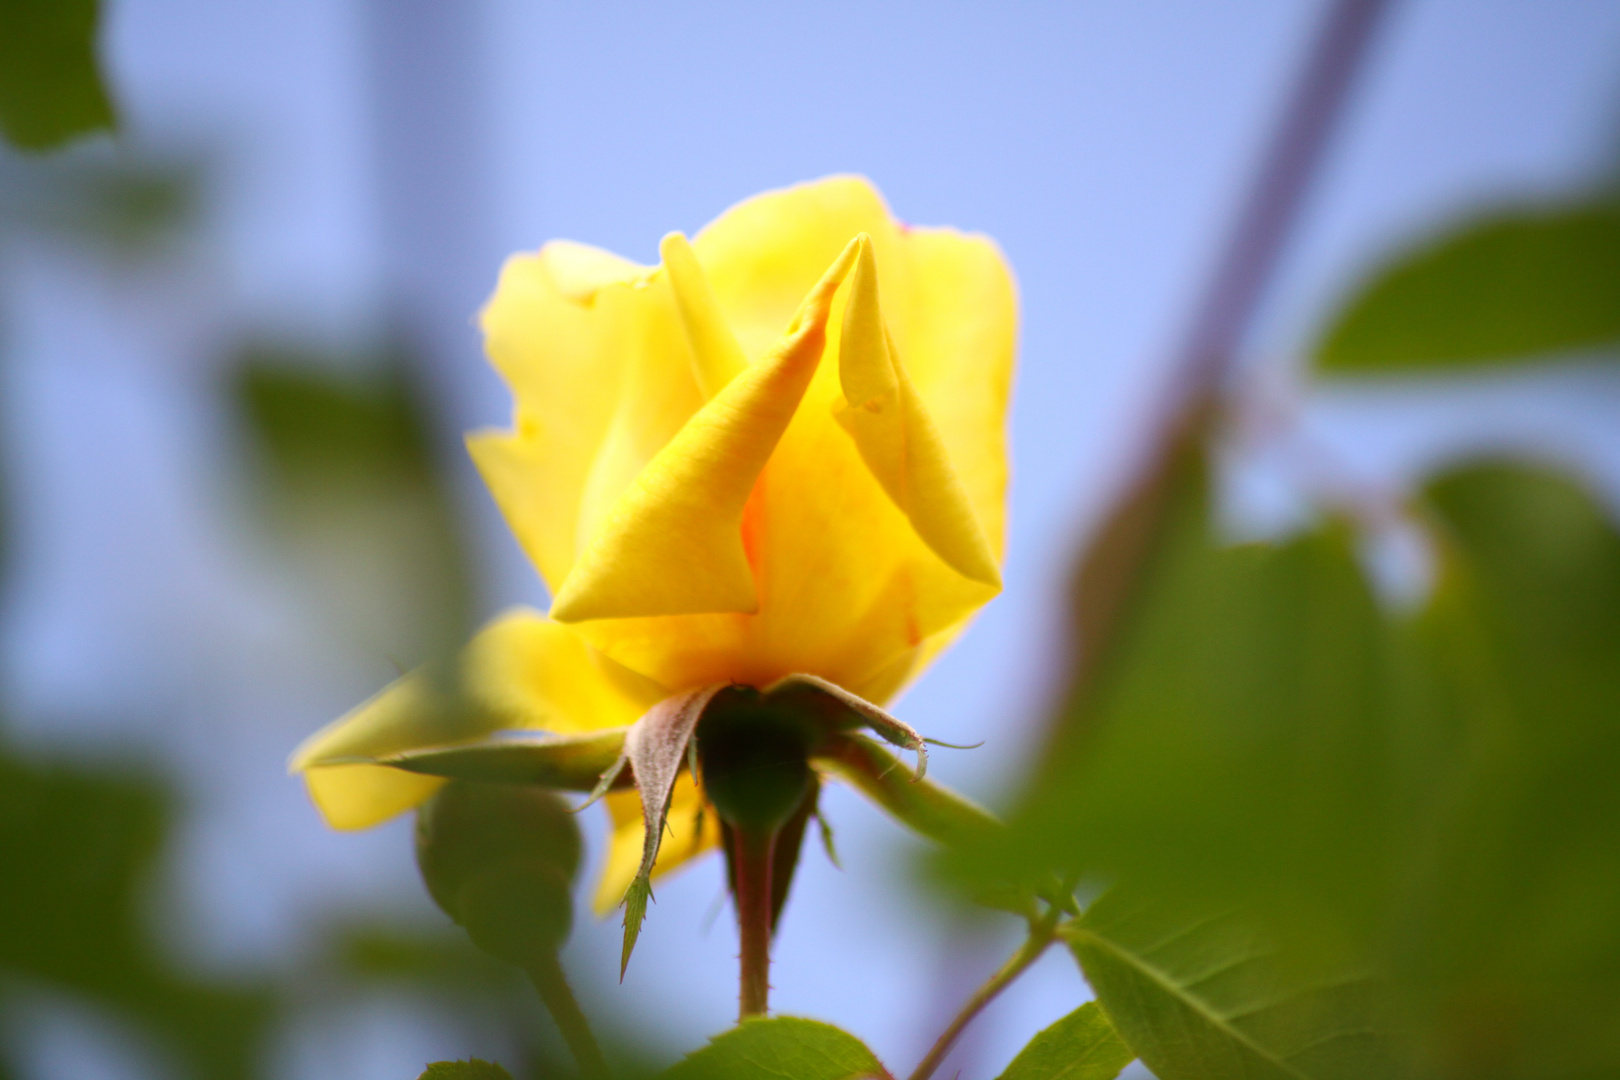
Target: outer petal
[
  {"x": 520, "y": 671},
  {"x": 602, "y": 377},
  {"x": 961, "y": 338},
  {"x": 687, "y": 838},
  {"x": 896, "y": 436}
]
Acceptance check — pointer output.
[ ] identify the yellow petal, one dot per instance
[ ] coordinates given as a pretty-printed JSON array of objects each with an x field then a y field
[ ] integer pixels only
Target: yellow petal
[
  {"x": 536, "y": 673},
  {"x": 360, "y": 796},
  {"x": 763, "y": 253},
  {"x": 844, "y": 586},
  {"x": 959, "y": 348},
  {"x": 601, "y": 375},
  {"x": 673, "y": 543},
  {"x": 896, "y": 436},
  {"x": 716, "y": 356},
  {"x": 520, "y": 671},
  {"x": 847, "y": 589},
  {"x": 683, "y": 841}
]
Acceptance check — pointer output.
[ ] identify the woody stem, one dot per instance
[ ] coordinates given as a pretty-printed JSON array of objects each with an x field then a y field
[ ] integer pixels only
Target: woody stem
[{"x": 752, "y": 851}]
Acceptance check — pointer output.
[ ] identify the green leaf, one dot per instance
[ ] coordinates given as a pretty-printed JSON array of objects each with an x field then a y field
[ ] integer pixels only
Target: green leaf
[
  {"x": 465, "y": 1070},
  {"x": 780, "y": 1048},
  {"x": 50, "y": 88},
  {"x": 1081, "y": 1046},
  {"x": 1509, "y": 948},
  {"x": 1520, "y": 286},
  {"x": 1204, "y": 996}
]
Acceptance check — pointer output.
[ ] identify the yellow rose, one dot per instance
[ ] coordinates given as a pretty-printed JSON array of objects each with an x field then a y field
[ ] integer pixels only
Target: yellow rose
[{"x": 780, "y": 452}]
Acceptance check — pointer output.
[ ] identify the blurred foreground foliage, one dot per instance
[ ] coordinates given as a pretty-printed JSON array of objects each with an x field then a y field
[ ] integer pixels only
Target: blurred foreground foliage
[
  {"x": 78, "y": 849},
  {"x": 1340, "y": 839},
  {"x": 1521, "y": 285},
  {"x": 82, "y": 847},
  {"x": 50, "y": 83},
  {"x": 348, "y": 477}
]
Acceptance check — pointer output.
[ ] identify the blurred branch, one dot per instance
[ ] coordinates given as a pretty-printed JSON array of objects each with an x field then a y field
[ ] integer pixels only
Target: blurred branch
[{"x": 1111, "y": 565}]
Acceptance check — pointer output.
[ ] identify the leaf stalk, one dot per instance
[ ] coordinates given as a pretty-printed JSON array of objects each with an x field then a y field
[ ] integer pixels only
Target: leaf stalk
[
  {"x": 1043, "y": 930},
  {"x": 546, "y": 973}
]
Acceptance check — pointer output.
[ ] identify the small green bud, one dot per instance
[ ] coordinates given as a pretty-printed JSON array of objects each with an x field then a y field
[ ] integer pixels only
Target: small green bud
[
  {"x": 755, "y": 758},
  {"x": 500, "y": 859}
]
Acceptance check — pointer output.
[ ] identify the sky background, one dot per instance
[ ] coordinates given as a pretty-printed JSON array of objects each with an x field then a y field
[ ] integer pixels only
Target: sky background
[{"x": 367, "y": 165}]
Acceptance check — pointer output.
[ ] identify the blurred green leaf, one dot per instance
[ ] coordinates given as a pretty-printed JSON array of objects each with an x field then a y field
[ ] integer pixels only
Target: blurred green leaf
[
  {"x": 1292, "y": 786},
  {"x": 780, "y": 1046},
  {"x": 76, "y": 851},
  {"x": 127, "y": 203},
  {"x": 1519, "y": 286},
  {"x": 1241, "y": 706},
  {"x": 465, "y": 1070},
  {"x": 354, "y": 490},
  {"x": 50, "y": 86},
  {"x": 1081, "y": 1046},
  {"x": 1204, "y": 996},
  {"x": 322, "y": 426},
  {"x": 1508, "y": 942}
]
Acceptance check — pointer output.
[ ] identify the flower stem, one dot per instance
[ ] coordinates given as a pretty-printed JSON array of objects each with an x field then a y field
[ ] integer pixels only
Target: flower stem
[
  {"x": 546, "y": 972},
  {"x": 1042, "y": 932},
  {"x": 752, "y": 851}
]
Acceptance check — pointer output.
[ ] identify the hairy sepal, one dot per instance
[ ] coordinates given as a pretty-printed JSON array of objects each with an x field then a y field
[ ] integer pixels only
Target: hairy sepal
[
  {"x": 845, "y": 710},
  {"x": 655, "y": 748},
  {"x": 562, "y": 762}
]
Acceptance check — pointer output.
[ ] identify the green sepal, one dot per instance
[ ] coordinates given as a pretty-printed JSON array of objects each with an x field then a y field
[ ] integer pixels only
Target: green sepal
[
  {"x": 563, "y": 762},
  {"x": 635, "y": 912},
  {"x": 841, "y": 711},
  {"x": 924, "y": 806}
]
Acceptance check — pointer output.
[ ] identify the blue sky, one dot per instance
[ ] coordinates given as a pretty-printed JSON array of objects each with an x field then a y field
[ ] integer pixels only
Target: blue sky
[{"x": 373, "y": 157}]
